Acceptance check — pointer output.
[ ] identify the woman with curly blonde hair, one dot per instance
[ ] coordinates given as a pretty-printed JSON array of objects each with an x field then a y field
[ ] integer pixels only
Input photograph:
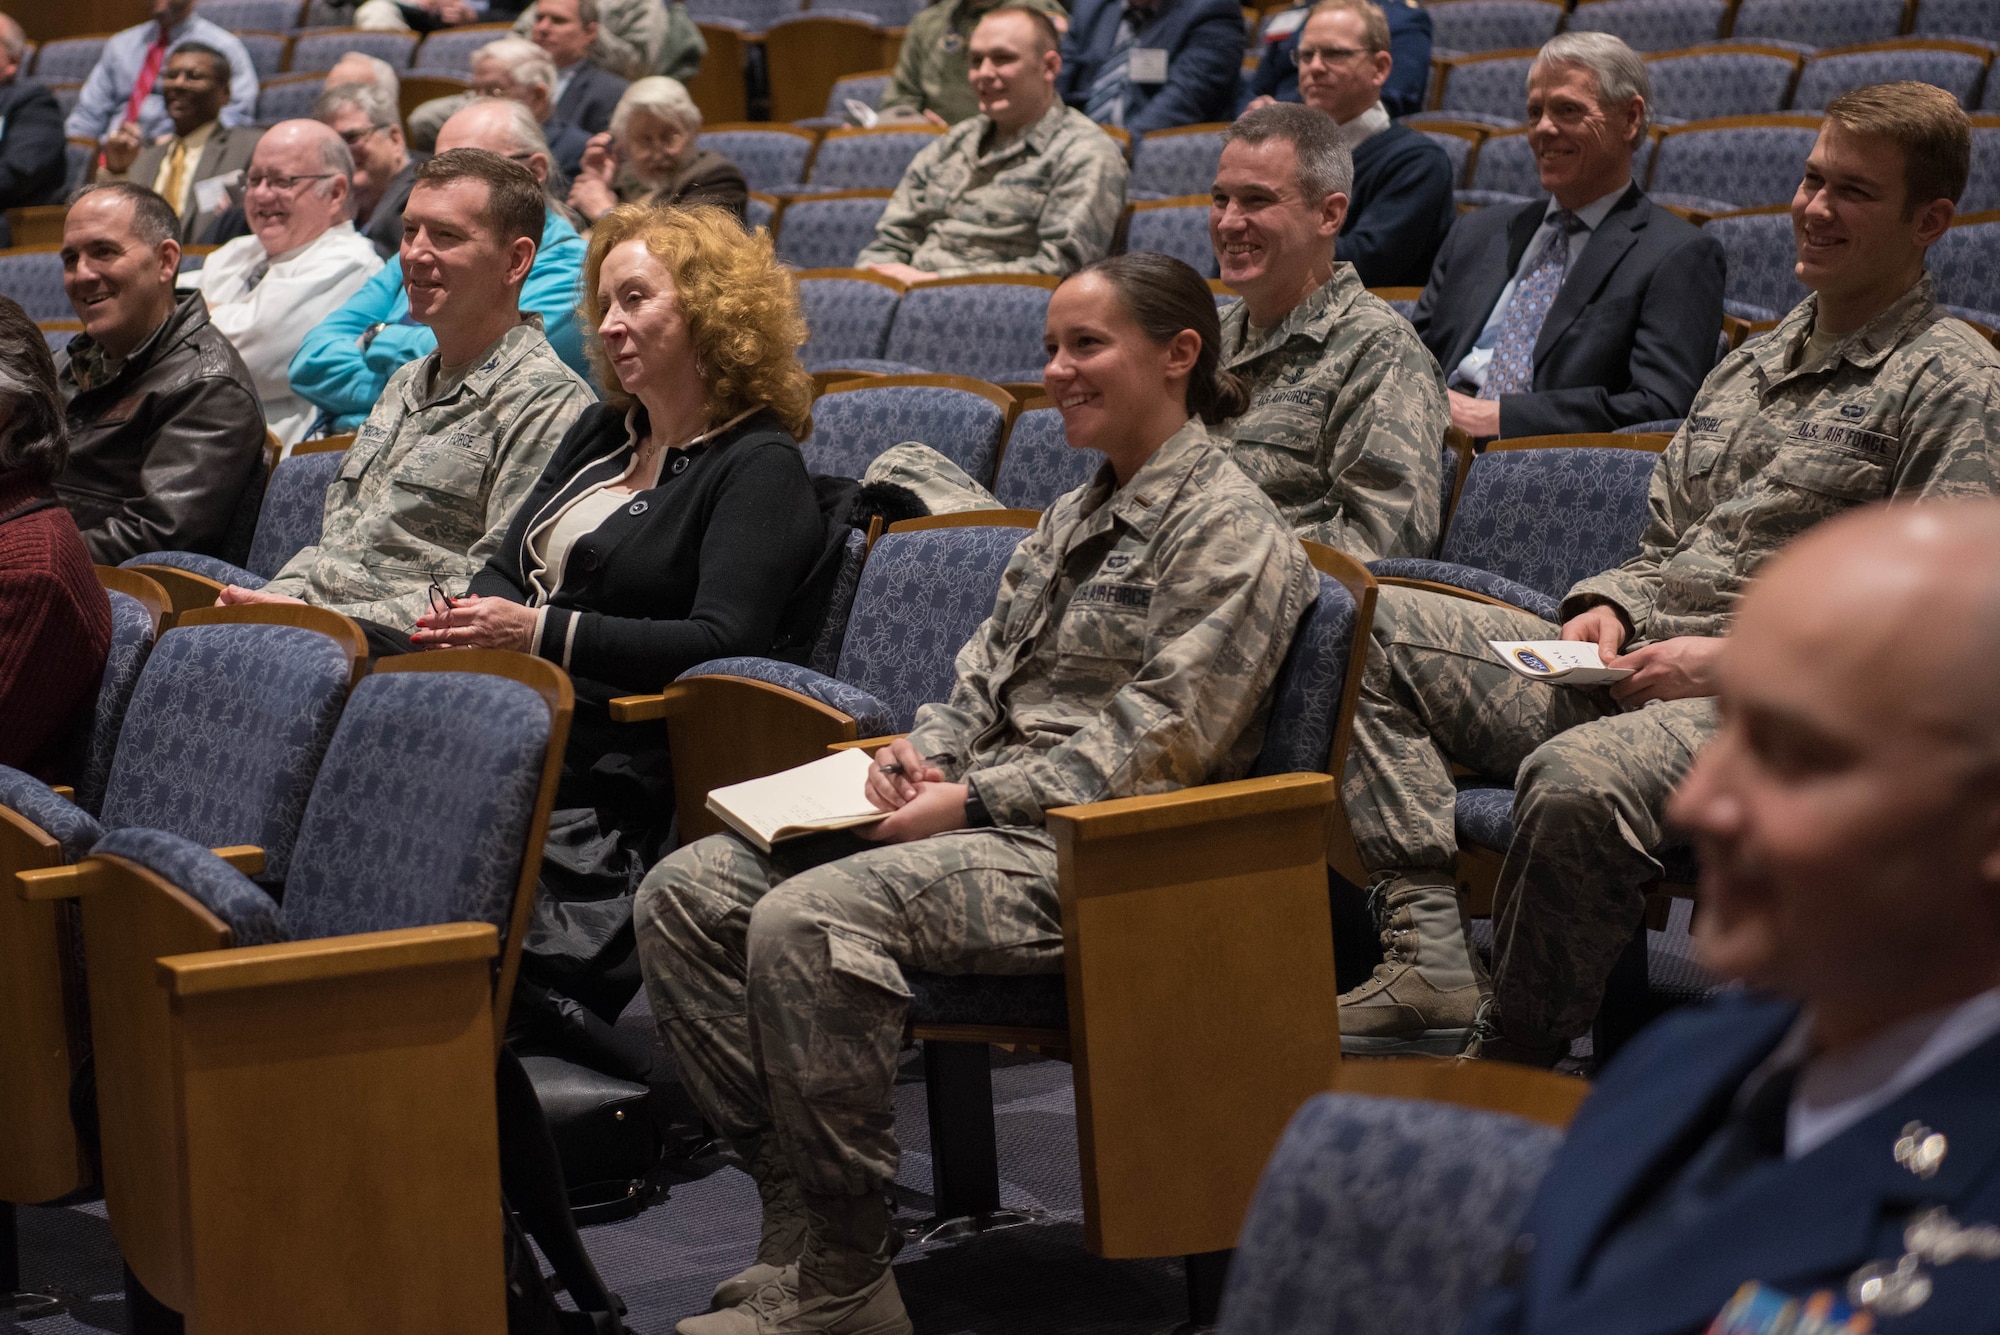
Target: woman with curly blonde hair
[{"x": 675, "y": 523}]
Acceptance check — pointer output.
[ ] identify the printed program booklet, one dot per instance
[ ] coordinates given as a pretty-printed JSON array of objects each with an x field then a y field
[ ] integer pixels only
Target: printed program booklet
[
  {"x": 1565, "y": 662},
  {"x": 828, "y": 794}
]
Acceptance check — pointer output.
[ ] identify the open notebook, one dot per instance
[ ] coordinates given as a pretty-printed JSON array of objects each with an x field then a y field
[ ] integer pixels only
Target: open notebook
[{"x": 828, "y": 794}]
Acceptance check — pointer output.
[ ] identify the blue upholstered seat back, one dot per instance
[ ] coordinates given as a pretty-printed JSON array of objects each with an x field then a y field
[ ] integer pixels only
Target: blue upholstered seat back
[
  {"x": 867, "y": 161},
  {"x": 1490, "y": 87},
  {"x": 1978, "y": 19},
  {"x": 1957, "y": 72},
  {"x": 422, "y": 808},
  {"x": 828, "y": 233},
  {"x": 989, "y": 331},
  {"x": 1039, "y": 467},
  {"x": 1167, "y": 165},
  {"x": 839, "y": 603},
  {"x": 447, "y": 52},
  {"x": 1180, "y": 231},
  {"x": 1746, "y": 165},
  {"x": 259, "y": 15},
  {"x": 922, "y": 596},
  {"x": 67, "y": 59},
  {"x": 1547, "y": 518},
  {"x": 1493, "y": 25},
  {"x": 224, "y": 734},
  {"x": 1506, "y": 164},
  {"x": 1819, "y": 22},
  {"x": 846, "y": 318},
  {"x": 1982, "y": 189},
  {"x": 291, "y": 99},
  {"x": 266, "y": 51},
  {"x": 1721, "y": 83},
  {"x": 62, "y": 820},
  {"x": 294, "y": 505},
  {"x": 34, "y": 279},
  {"x": 1758, "y": 249},
  {"x": 87, "y": 762},
  {"x": 1966, "y": 263},
  {"x": 1456, "y": 147},
  {"x": 1653, "y": 25},
  {"x": 867, "y": 89},
  {"x": 1382, "y": 1215},
  {"x": 1306, "y": 701},
  {"x": 852, "y": 427},
  {"x": 769, "y": 159},
  {"x": 251, "y": 914},
  {"x": 317, "y": 52},
  {"x": 759, "y": 211}
]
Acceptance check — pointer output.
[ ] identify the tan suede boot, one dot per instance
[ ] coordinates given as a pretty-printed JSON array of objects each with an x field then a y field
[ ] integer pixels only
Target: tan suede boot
[
  {"x": 1426, "y": 994},
  {"x": 844, "y": 1284},
  {"x": 784, "y": 1235}
]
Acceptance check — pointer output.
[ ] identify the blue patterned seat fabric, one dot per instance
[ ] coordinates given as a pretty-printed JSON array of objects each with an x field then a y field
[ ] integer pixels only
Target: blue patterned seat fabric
[
  {"x": 770, "y": 159},
  {"x": 319, "y": 52},
  {"x": 209, "y": 567},
  {"x": 448, "y": 52},
  {"x": 416, "y": 817},
  {"x": 759, "y": 212},
  {"x": 1506, "y": 165},
  {"x": 825, "y": 656},
  {"x": 291, "y": 100},
  {"x": 67, "y": 59},
  {"x": 34, "y": 279},
  {"x": 871, "y": 717},
  {"x": 251, "y": 915},
  {"x": 1665, "y": 425},
  {"x": 867, "y": 161},
  {"x": 983, "y": 330},
  {"x": 1957, "y": 72},
  {"x": 1470, "y": 578},
  {"x": 1493, "y": 25},
  {"x": 1966, "y": 264},
  {"x": 1982, "y": 188},
  {"x": 1416, "y": 120},
  {"x": 1820, "y": 22},
  {"x": 1749, "y": 164},
  {"x": 1720, "y": 83},
  {"x": 1181, "y": 231},
  {"x": 845, "y": 318},
  {"x": 1493, "y": 87},
  {"x": 87, "y": 755},
  {"x": 828, "y": 233},
  {"x": 294, "y": 506},
  {"x": 883, "y": 13},
  {"x": 867, "y": 366},
  {"x": 867, "y": 89},
  {"x": 1039, "y": 467},
  {"x": 1166, "y": 165},
  {"x": 851, "y": 427},
  {"x": 1760, "y": 254},
  {"x": 254, "y": 15},
  {"x": 1456, "y": 147},
  {"x": 1977, "y": 19},
  {"x": 224, "y": 734},
  {"x": 266, "y": 51},
  {"x": 61, "y": 819},
  {"x": 1653, "y": 25},
  {"x": 1382, "y": 1215},
  {"x": 754, "y": 15}
]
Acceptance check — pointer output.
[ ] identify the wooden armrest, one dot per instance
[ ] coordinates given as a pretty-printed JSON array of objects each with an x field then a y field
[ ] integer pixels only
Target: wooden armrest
[
  {"x": 64, "y": 791},
  {"x": 217, "y": 971},
  {"x": 866, "y": 743},
  {"x": 638, "y": 708},
  {"x": 246, "y": 858},
  {"x": 1448, "y": 590},
  {"x": 1538, "y": 1096},
  {"x": 1210, "y": 804},
  {"x": 51, "y": 883}
]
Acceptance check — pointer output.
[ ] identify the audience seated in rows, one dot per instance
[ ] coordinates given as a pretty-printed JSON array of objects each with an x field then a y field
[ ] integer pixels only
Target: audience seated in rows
[
  {"x": 1277, "y": 72},
  {"x": 122, "y": 88},
  {"x": 1794, "y": 1137},
  {"x": 1594, "y": 309},
  {"x": 586, "y": 94},
  {"x": 301, "y": 262},
  {"x": 1345, "y": 412},
  {"x": 345, "y": 363},
  {"x": 933, "y": 74},
  {"x": 653, "y": 153},
  {"x": 32, "y": 162},
  {"x": 775, "y": 978},
  {"x": 55, "y": 621},
  {"x": 638, "y": 37},
  {"x": 1867, "y": 391},
  {"x": 1153, "y": 66},
  {"x": 459, "y": 434},
  {"x": 369, "y": 124},
  {"x": 1028, "y": 185},
  {"x": 1401, "y": 205},
  {"x": 675, "y": 524},
  {"x": 195, "y": 167},
  {"x": 165, "y": 429}
]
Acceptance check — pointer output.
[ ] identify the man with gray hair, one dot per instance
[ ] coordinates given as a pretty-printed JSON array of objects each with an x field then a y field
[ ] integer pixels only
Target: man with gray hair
[
  {"x": 355, "y": 67},
  {"x": 522, "y": 72},
  {"x": 367, "y": 123},
  {"x": 301, "y": 261},
  {"x": 653, "y": 152},
  {"x": 1589, "y": 310}
]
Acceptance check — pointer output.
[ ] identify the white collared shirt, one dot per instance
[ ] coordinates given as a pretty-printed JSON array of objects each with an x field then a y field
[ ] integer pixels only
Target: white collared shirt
[
  {"x": 1364, "y": 127},
  {"x": 1471, "y": 371},
  {"x": 268, "y": 318}
]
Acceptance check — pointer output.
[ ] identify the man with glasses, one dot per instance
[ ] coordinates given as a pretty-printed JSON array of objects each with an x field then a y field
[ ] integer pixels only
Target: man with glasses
[
  {"x": 195, "y": 166},
  {"x": 1276, "y": 77},
  {"x": 459, "y": 435},
  {"x": 124, "y": 87},
  {"x": 367, "y": 122},
  {"x": 302, "y": 260}
]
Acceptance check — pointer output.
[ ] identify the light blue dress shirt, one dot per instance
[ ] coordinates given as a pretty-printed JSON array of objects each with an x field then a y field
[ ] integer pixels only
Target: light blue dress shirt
[{"x": 101, "y": 105}]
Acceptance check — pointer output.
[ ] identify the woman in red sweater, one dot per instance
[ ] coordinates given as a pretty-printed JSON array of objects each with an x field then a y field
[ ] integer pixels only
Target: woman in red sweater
[{"x": 55, "y": 619}]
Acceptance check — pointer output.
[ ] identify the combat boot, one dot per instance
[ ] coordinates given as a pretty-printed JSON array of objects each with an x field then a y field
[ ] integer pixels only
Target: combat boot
[
  {"x": 844, "y": 1284},
  {"x": 1426, "y": 994},
  {"x": 784, "y": 1235}
]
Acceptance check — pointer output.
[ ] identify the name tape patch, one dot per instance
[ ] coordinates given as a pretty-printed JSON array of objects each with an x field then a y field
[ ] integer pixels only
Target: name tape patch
[
  {"x": 1848, "y": 437},
  {"x": 1104, "y": 593}
]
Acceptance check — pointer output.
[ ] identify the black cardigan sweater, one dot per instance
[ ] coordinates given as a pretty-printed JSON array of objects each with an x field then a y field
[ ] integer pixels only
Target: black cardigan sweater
[{"x": 711, "y": 564}]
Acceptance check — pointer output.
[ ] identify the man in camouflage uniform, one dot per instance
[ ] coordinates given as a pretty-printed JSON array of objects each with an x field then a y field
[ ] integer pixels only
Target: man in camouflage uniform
[
  {"x": 1026, "y": 186},
  {"x": 1868, "y": 391},
  {"x": 1132, "y": 649},
  {"x": 459, "y": 436},
  {"x": 933, "y": 78}
]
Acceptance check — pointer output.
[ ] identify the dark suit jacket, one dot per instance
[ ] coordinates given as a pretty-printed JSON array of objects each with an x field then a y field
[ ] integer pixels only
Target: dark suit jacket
[
  {"x": 228, "y": 150},
  {"x": 1630, "y": 336},
  {"x": 709, "y": 178},
  {"x": 385, "y": 223},
  {"x": 1399, "y": 210},
  {"x": 566, "y": 144},
  {"x": 1797, "y": 1226},
  {"x": 1204, "y": 44},
  {"x": 591, "y": 97},
  {"x": 31, "y": 147}
]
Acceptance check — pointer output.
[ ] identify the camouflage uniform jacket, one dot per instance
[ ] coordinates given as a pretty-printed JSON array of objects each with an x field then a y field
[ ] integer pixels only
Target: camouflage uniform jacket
[
  {"x": 1347, "y": 417},
  {"x": 1906, "y": 406},
  {"x": 1134, "y": 643},
  {"x": 427, "y": 488},
  {"x": 934, "y": 69},
  {"x": 1046, "y": 203}
]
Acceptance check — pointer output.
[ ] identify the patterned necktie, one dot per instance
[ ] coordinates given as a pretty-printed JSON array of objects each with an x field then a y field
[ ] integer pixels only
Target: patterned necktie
[
  {"x": 1107, "y": 95},
  {"x": 1512, "y": 370},
  {"x": 176, "y": 174},
  {"x": 149, "y": 74}
]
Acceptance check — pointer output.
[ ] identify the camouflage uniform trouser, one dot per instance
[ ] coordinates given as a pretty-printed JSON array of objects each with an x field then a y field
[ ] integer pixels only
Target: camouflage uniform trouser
[
  {"x": 778, "y": 984},
  {"x": 1591, "y": 784}
]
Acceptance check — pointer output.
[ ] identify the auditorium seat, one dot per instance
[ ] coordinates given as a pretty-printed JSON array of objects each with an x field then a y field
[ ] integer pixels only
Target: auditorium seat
[
  {"x": 1039, "y": 465},
  {"x": 1722, "y": 81},
  {"x": 32, "y": 276},
  {"x": 1976, "y": 19},
  {"x": 318, "y": 52},
  {"x": 754, "y": 15},
  {"x": 288, "y": 98},
  {"x": 1492, "y": 25},
  {"x": 251, "y": 15},
  {"x": 848, "y": 313},
  {"x": 1744, "y": 160},
  {"x": 1982, "y": 188},
  {"x": 1957, "y": 67},
  {"x": 868, "y": 159},
  {"x": 1170, "y": 163},
  {"x": 867, "y": 88},
  {"x": 138, "y": 614},
  {"x": 1652, "y": 25},
  {"x": 986, "y": 326},
  {"x": 1760, "y": 254},
  {"x": 1459, "y": 141},
  {"x": 1176, "y": 227},
  {"x": 963, "y": 419},
  {"x": 828, "y": 231},
  {"x": 1491, "y": 88},
  {"x": 67, "y": 59},
  {"x": 1965, "y": 261},
  {"x": 807, "y": 53},
  {"x": 449, "y": 50},
  {"x": 1819, "y": 23}
]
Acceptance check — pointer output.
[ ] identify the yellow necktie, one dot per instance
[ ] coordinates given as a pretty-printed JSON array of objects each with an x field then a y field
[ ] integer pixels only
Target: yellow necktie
[{"x": 176, "y": 175}]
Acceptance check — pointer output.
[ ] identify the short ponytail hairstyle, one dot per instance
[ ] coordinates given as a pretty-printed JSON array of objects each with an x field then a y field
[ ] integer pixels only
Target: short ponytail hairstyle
[{"x": 1163, "y": 296}]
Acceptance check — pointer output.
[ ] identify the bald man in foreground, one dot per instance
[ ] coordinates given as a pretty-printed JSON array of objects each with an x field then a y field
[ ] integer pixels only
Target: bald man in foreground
[{"x": 1834, "y": 1131}]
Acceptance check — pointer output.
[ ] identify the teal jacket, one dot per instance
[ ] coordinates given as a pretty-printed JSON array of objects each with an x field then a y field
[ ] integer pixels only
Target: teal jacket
[{"x": 334, "y": 372}]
